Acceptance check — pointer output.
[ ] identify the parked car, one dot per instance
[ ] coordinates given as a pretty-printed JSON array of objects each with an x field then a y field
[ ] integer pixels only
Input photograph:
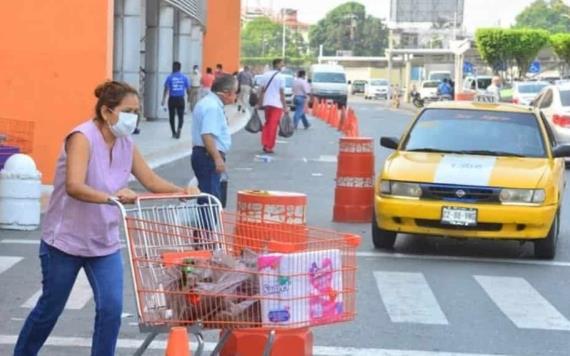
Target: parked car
[
  {"x": 358, "y": 86},
  {"x": 329, "y": 82},
  {"x": 554, "y": 103},
  {"x": 428, "y": 88},
  {"x": 524, "y": 93},
  {"x": 377, "y": 89},
  {"x": 478, "y": 84}
]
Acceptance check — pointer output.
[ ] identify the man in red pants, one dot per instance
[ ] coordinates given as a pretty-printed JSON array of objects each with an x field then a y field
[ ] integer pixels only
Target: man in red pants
[{"x": 273, "y": 101}]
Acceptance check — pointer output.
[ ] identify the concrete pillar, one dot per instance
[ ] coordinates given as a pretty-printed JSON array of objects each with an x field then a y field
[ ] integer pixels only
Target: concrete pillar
[
  {"x": 127, "y": 61},
  {"x": 159, "y": 55},
  {"x": 197, "y": 46},
  {"x": 408, "y": 76},
  {"x": 183, "y": 43}
]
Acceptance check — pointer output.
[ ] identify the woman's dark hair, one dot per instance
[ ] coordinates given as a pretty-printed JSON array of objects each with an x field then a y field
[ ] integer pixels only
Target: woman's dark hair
[
  {"x": 209, "y": 70},
  {"x": 301, "y": 74},
  {"x": 110, "y": 94}
]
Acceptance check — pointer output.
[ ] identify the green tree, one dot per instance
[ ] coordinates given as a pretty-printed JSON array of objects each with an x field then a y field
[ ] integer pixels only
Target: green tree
[
  {"x": 262, "y": 40},
  {"x": 493, "y": 47},
  {"x": 547, "y": 15},
  {"x": 348, "y": 28},
  {"x": 561, "y": 44},
  {"x": 501, "y": 48},
  {"x": 524, "y": 46}
]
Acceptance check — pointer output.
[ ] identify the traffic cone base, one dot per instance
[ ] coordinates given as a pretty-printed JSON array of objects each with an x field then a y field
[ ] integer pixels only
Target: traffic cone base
[{"x": 178, "y": 343}]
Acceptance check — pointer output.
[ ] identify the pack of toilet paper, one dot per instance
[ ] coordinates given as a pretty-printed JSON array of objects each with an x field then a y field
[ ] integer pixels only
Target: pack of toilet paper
[{"x": 303, "y": 288}]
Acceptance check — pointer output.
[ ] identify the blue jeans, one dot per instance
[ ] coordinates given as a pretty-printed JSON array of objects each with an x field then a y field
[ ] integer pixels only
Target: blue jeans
[
  {"x": 59, "y": 271},
  {"x": 204, "y": 168},
  {"x": 299, "y": 102}
]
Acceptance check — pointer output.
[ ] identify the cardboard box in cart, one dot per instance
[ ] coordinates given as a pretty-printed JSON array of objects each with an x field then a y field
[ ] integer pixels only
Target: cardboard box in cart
[{"x": 300, "y": 289}]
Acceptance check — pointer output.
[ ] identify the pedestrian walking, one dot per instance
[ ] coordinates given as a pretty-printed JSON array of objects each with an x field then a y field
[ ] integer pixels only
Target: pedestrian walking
[
  {"x": 219, "y": 70},
  {"x": 196, "y": 79},
  {"x": 175, "y": 87},
  {"x": 80, "y": 229},
  {"x": 273, "y": 102},
  {"x": 245, "y": 82},
  {"x": 211, "y": 135},
  {"x": 301, "y": 92},
  {"x": 206, "y": 82},
  {"x": 495, "y": 88}
]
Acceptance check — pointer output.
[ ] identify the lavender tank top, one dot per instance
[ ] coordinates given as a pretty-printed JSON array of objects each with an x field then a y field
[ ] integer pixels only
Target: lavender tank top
[{"x": 85, "y": 229}]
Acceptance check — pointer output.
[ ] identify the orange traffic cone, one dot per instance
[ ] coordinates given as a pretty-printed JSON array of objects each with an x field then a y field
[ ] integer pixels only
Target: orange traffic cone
[{"x": 178, "y": 343}]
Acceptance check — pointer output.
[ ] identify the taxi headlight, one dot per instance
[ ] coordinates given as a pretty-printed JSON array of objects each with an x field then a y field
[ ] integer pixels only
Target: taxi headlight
[
  {"x": 401, "y": 189},
  {"x": 525, "y": 196}
]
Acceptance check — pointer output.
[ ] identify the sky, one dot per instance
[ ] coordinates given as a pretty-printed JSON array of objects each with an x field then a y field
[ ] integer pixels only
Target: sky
[{"x": 478, "y": 13}]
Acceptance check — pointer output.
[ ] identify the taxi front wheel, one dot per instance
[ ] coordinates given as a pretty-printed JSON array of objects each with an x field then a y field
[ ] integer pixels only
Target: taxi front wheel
[
  {"x": 382, "y": 238},
  {"x": 546, "y": 248}
]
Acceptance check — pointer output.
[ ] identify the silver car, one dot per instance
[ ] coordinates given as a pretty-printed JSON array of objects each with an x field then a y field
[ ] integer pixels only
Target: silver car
[
  {"x": 554, "y": 103},
  {"x": 525, "y": 92}
]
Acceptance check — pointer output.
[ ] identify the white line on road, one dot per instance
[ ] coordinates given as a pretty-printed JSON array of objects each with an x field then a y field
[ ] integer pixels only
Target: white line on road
[
  {"x": 6, "y": 262},
  {"x": 408, "y": 298},
  {"x": 521, "y": 303},
  {"x": 462, "y": 259},
  {"x": 209, "y": 346},
  {"x": 80, "y": 294},
  {"x": 20, "y": 241},
  {"x": 327, "y": 159}
]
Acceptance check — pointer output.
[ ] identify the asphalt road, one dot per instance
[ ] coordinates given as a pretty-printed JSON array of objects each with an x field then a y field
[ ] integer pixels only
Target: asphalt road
[{"x": 430, "y": 297}]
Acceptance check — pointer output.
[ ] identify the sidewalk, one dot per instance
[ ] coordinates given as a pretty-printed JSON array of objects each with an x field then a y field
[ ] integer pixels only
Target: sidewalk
[{"x": 159, "y": 148}]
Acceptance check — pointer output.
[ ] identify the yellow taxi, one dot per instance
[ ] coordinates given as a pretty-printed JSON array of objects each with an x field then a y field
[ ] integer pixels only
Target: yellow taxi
[{"x": 473, "y": 170}]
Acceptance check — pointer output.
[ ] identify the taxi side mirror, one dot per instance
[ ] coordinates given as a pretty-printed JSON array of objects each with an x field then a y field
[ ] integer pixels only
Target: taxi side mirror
[
  {"x": 392, "y": 142},
  {"x": 561, "y": 151}
]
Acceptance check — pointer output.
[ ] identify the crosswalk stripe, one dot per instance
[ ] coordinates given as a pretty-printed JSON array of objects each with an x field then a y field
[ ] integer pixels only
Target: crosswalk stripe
[
  {"x": 6, "y": 262},
  {"x": 79, "y": 297},
  {"x": 523, "y": 304},
  {"x": 75, "y": 342},
  {"x": 408, "y": 298}
]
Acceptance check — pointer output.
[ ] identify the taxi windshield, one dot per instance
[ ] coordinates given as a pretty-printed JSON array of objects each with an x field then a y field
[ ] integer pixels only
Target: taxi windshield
[{"x": 476, "y": 132}]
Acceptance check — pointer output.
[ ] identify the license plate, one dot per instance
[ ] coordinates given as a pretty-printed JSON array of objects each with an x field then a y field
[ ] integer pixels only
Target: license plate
[{"x": 459, "y": 216}]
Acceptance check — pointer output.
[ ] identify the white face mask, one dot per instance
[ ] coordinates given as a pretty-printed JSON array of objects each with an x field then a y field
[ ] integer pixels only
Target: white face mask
[{"x": 126, "y": 124}]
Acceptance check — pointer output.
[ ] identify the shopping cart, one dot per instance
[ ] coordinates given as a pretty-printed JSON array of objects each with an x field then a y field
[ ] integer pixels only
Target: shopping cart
[{"x": 194, "y": 265}]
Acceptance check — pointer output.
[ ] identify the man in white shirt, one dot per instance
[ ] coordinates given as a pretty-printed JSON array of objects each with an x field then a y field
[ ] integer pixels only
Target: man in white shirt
[
  {"x": 495, "y": 88},
  {"x": 195, "y": 88},
  {"x": 273, "y": 102},
  {"x": 301, "y": 92}
]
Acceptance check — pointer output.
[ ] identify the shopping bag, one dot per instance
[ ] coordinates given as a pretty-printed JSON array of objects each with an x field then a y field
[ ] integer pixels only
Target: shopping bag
[
  {"x": 253, "y": 98},
  {"x": 224, "y": 189},
  {"x": 254, "y": 124},
  {"x": 286, "y": 127}
]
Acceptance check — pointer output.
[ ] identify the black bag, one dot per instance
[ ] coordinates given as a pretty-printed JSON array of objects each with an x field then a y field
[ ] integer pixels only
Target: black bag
[
  {"x": 224, "y": 190},
  {"x": 286, "y": 127},
  {"x": 253, "y": 98},
  {"x": 254, "y": 124}
]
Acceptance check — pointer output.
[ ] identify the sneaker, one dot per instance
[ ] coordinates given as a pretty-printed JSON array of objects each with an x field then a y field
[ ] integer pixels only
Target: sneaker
[
  {"x": 137, "y": 131},
  {"x": 307, "y": 127},
  {"x": 267, "y": 150}
]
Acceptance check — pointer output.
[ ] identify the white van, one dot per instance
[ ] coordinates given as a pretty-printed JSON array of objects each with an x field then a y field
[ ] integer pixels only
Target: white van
[{"x": 329, "y": 82}]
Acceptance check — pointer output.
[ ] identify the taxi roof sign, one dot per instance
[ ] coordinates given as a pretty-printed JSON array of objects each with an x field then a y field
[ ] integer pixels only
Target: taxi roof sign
[{"x": 486, "y": 98}]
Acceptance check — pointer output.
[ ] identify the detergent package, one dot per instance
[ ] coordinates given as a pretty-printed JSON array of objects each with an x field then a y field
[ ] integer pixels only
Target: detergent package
[{"x": 300, "y": 289}]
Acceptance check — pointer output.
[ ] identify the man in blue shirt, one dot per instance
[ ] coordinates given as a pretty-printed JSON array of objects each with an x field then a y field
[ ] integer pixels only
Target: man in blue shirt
[
  {"x": 211, "y": 135},
  {"x": 175, "y": 87},
  {"x": 444, "y": 89}
]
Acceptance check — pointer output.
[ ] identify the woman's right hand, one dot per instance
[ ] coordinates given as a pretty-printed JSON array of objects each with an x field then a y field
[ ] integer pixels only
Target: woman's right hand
[{"x": 126, "y": 196}]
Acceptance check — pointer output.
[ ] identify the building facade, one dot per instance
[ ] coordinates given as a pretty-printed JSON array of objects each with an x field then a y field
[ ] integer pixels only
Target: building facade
[{"x": 57, "y": 53}]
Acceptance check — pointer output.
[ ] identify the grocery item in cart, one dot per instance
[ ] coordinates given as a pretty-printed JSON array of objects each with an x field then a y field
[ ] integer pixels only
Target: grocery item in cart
[{"x": 302, "y": 288}]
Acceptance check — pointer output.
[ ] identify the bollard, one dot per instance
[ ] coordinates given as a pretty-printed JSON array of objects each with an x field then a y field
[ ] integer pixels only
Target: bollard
[
  {"x": 20, "y": 193},
  {"x": 354, "y": 192}
]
